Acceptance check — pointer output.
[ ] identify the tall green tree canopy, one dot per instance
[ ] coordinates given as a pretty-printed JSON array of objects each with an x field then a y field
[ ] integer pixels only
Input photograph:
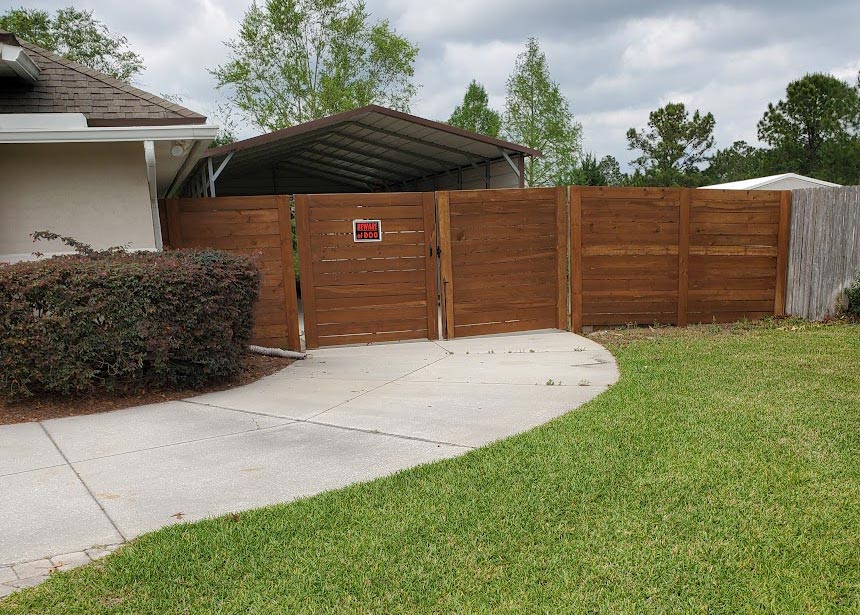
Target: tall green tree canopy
[
  {"x": 736, "y": 162},
  {"x": 475, "y": 114},
  {"x": 673, "y": 145},
  {"x": 594, "y": 172},
  {"x": 76, "y": 35},
  {"x": 814, "y": 130},
  {"x": 299, "y": 60},
  {"x": 537, "y": 115}
]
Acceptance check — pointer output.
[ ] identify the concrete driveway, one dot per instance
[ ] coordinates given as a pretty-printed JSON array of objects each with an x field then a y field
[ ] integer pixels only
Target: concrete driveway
[{"x": 343, "y": 415}]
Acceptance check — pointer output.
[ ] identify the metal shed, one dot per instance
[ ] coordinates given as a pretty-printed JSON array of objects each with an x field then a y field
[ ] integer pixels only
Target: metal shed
[{"x": 370, "y": 149}]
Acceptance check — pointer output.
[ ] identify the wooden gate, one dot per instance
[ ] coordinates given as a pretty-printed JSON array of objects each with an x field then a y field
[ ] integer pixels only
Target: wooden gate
[
  {"x": 503, "y": 260},
  {"x": 367, "y": 292},
  {"x": 258, "y": 226}
]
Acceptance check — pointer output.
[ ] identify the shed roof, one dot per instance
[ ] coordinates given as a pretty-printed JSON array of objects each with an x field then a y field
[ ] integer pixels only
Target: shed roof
[
  {"x": 758, "y": 183},
  {"x": 65, "y": 86},
  {"x": 371, "y": 147}
]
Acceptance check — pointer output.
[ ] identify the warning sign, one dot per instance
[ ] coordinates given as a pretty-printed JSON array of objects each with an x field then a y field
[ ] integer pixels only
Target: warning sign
[{"x": 366, "y": 230}]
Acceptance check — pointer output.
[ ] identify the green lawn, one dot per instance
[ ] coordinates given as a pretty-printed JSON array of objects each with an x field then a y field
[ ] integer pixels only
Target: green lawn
[{"x": 720, "y": 475}]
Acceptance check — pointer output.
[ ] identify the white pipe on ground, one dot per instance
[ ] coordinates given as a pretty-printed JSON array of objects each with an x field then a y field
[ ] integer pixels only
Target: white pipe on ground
[{"x": 277, "y": 352}]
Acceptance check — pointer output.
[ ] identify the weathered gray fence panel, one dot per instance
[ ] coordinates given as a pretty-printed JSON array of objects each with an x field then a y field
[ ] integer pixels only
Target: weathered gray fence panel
[{"x": 824, "y": 255}]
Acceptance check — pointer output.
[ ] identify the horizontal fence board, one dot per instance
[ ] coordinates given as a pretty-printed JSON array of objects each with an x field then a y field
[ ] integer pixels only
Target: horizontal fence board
[
  {"x": 373, "y": 337},
  {"x": 384, "y": 325},
  {"x": 373, "y": 213}
]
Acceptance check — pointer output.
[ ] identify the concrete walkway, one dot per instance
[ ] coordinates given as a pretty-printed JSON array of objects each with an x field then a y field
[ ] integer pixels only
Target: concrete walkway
[{"x": 75, "y": 488}]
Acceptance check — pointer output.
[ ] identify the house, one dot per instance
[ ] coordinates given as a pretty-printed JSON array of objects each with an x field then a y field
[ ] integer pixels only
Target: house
[
  {"x": 85, "y": 155},
  {"x": 783, "y": 181}
]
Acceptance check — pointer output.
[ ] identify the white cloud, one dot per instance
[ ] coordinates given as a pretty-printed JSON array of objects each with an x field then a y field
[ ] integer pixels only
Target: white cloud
[{"x": 615, "y": 60}]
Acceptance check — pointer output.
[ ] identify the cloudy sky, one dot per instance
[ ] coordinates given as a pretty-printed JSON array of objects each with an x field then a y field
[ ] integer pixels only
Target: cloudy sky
[{"x": 615, "y": 60}]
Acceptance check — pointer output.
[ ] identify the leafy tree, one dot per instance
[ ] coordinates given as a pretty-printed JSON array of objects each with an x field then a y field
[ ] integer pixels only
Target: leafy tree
[
  {"x": 673, "y": 146},
  {"x": 594, "y": 172},
  {"x": 76, "y": 35},
  {"x": 475, "y": 114},
  {"x": 537, "y": 115},
  {"x": 299, "y": 60},
  {"x": 739, "y": 161},
  {"x": 814, "y": 130},
  {"x": 224, "y": 117}
]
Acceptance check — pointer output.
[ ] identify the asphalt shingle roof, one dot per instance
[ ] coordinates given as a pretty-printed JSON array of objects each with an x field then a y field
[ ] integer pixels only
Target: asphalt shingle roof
[{"x": 65, "y": 86}]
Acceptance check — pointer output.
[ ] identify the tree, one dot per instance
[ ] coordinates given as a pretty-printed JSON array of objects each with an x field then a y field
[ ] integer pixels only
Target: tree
[
  {"x": 673, "y": 146},
  {"x": 814, "y": 128},
  {"x": 76, "y": 35},
  {"x": 739, "y": 161},
  {"x": 475, "y": 114},
  {"x": 299, "y": 60},
  {"x": 594, "y": 172},
  {"x": 537, "y": 115}
]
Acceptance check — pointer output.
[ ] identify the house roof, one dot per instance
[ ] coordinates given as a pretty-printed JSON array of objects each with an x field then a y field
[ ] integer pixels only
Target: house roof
[
  {"x": 372, "y": 146},
  {"x": 761, "y": 182},
  {"x": 65, "y": 86}
]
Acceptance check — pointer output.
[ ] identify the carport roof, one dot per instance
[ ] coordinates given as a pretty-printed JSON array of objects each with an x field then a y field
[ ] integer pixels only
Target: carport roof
[{"x": 371, "y": 146}]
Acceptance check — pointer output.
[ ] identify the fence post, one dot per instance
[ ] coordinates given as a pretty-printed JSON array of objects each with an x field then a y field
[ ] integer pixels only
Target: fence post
[
  {"x": 562, "y": 235},
  {"x": 285, "y": 228},
  {"x": 446, "y": 264},
  {"x": 683, "y": 254},
  {"x": 782, "y": 252},
  {"x": 576, "y": 259},
  {"x": 306, "y": 270}
]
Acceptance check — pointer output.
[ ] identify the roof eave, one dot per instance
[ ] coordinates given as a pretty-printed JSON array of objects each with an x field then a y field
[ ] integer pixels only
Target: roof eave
[{"x": 192, "y": 132}]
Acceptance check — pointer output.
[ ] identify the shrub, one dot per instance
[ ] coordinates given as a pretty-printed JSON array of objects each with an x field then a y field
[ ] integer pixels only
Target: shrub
[
  {"x": 853, "y": 295},
  {"x": 124, "y": 321}
]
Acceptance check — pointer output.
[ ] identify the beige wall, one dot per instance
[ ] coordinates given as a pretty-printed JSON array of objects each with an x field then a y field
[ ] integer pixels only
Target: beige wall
[{"x": 94, "y": 192}]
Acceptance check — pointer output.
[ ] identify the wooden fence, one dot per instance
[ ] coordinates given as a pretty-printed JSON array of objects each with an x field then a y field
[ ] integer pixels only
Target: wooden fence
[
  {"x": 673, "y": 256},
  {"x": 825, "y": 249},
  {"x": 257, "y": 226},
  {"x": 521, "y": 259}
]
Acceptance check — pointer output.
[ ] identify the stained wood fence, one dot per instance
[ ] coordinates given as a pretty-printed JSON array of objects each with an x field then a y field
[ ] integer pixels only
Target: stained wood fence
[
  {"x": 676, "y": 256},
  {"x": 825, "y": 249},
  {"x": 508, "y": 260},
  {"x": 256, "y": 226}
]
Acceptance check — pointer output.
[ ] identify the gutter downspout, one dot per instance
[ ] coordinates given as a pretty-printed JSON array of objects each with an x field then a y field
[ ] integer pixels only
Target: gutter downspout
[{"x": 149, "y": 154}]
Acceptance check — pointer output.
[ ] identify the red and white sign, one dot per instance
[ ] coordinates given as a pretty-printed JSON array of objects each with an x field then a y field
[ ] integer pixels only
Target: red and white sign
[{"x": 366, "y": 230}]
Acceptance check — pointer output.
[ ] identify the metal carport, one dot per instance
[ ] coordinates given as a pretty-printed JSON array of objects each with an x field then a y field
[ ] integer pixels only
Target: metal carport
[{"x": 371, "y": 149}]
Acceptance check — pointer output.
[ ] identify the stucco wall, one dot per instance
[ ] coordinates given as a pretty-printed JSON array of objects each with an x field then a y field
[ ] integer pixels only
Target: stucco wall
[{"x": 94, "y": 192}]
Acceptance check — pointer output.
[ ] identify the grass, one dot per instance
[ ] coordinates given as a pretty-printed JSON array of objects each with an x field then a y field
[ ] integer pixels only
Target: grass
[{"x": 720, "y": 475}]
